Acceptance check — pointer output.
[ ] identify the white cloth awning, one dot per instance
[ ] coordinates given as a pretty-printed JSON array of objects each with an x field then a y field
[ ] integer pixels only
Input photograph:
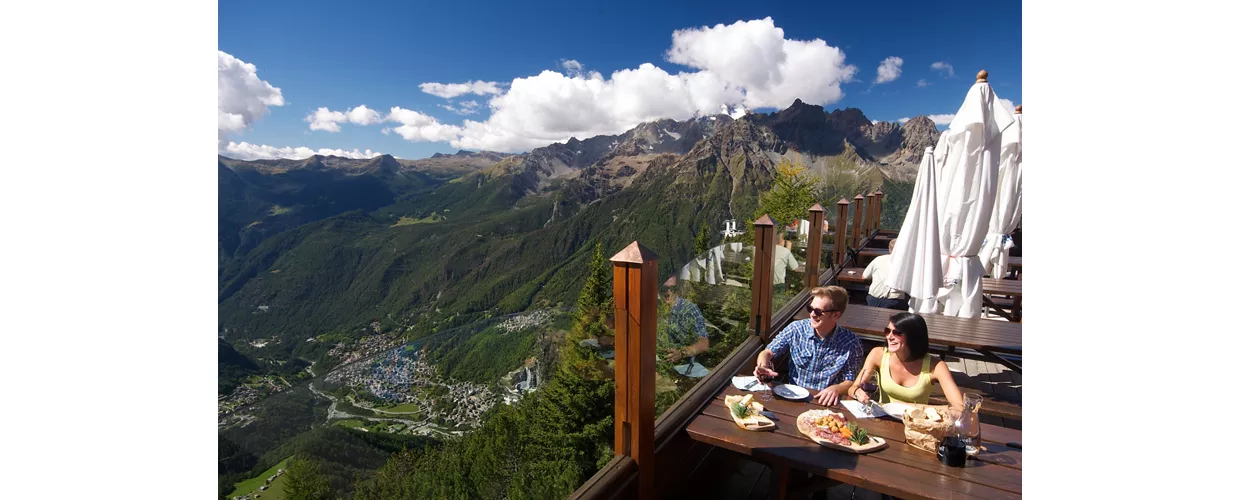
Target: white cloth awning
[
  {"x": 1006, "y": 215},
  {"x": 970, "y": 151},
  {"x": 916, "y": 266}
]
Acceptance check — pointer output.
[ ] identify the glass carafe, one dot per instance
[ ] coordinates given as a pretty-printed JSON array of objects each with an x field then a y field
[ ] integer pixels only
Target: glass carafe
[{"x": 968, "y": 426}]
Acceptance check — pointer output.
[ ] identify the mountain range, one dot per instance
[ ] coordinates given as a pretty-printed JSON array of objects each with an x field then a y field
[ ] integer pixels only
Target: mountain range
[{"x": 328, "y": 245}]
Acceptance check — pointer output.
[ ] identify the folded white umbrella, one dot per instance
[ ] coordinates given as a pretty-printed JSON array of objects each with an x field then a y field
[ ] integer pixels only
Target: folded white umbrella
[
  {"x": 1007, "y": 214},
  {"x": 916, "y": 261},
  {"x": 967, "y": 185}
]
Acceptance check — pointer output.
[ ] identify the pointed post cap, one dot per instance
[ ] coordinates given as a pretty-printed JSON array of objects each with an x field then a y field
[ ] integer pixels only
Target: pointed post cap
[
  {"x": 765, "y": 220},
  {"x": 817, "y": 208},
  {"x": 843, "y": 201},
  {"x": 869, "y": 195},
  {"x": 1018, "y": 108},
  {"x": 635, "y": 253},
  {"x": 878, "y": 193},
  {"x": 982, "y": 76},
  {"x": 858, "y": 197}
]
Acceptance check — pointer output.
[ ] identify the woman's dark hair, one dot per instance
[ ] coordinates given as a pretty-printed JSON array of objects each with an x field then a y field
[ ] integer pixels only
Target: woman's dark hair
[{"x": 916, "y": 336}]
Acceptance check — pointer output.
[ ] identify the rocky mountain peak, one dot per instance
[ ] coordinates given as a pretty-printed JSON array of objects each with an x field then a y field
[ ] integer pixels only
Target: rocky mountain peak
[{"x": 916, "y": 135}]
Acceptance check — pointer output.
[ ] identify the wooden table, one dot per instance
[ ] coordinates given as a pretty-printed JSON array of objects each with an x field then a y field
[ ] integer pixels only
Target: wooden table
[
  {"x": 987, "y": 337},
  {"x": 899, "y": 470}
]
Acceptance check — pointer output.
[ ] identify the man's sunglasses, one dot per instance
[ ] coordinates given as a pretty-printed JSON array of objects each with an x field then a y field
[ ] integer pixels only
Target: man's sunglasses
[{"x": 819, "y": 312}]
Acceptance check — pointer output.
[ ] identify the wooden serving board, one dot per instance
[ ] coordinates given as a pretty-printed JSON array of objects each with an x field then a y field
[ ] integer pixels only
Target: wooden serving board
[
  {"x": 806, "y": 428},
  {"x": 755, "y": 421}
]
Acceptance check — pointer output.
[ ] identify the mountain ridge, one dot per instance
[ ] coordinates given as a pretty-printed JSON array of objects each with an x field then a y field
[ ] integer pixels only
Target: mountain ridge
[{"x": 504, "y": 235}]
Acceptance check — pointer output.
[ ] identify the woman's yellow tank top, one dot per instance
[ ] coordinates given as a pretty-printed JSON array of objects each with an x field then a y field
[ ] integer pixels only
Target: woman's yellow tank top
[{"x": 890, "y": 391}]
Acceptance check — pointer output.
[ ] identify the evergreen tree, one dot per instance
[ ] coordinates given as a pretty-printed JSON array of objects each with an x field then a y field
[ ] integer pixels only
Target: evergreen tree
[
  {"x": 795, "y": 190},
  {"x": 702, "y": 243},
  {"x": 581, "y": 395},
  {"x": 305, "y": 480}
]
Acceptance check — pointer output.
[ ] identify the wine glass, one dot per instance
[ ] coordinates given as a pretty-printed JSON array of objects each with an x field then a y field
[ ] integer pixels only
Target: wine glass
[
  {"x": 766, "y": 379},
  {"x": 870, "y": 387}
]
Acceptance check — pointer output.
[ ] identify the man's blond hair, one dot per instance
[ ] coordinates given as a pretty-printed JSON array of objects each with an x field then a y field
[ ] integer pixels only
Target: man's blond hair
[{"x": 837, "y": 295}]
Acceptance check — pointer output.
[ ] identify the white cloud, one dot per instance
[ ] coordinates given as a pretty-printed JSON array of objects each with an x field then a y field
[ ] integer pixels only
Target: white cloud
[
  {"x": 571, "y": 67},
  {"x": 462, "y": 108},
  {"x": 326, "y": 120},
  {"x": 922, "y": 83},
  {"x": 741, "y": 66},
  {"x": 889, "y": 69},
  {"x": 386, "y": 131},
  {"x": 243, "y": 96},
  {"x": 362, "y": 115},
  {"x": 944, "y": 67},
  {"x": 754, "y": 57},
  {"x": 420, "y": 127},
  {"x": 247, "y": 151},
  {"x": 329, "y": 121},
  {"x": 451, "y": 90}
]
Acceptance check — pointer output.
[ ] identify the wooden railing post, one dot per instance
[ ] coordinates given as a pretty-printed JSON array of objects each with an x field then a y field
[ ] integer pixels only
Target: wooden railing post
[
  {"x": 763, "y": 283},
  {"x": 841, "y": 230},
  {"x": 813, "y": 253},
  {"x": 878, "y": 211},
  {"x": 635, "y": 290},
  {"x": 858, "y": 204},
  {"x": 869, "y": 216}
]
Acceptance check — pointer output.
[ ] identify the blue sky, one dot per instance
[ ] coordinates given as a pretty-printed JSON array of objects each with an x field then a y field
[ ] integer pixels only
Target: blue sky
[{"x": 339, "y": 56}]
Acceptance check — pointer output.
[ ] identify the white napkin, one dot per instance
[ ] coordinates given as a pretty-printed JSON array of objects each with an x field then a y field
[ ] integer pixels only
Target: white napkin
[
  {"x": 741, "y": 382},
  {"x": 692, "y": 370},
  {"x": 858, "y": 410}
]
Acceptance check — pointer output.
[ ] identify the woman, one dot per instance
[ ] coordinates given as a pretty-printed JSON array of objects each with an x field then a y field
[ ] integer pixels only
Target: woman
[{"x": 905, "y": 370}]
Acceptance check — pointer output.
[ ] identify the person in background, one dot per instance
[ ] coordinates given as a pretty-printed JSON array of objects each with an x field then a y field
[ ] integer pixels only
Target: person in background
[
  {"x": 906, "y": 371},
  {"x": 881, "y": 295},
  {"x": 784, "y": 262},
  {"x": 685, "y": 328},
  {"x": 823, "y": 357}
]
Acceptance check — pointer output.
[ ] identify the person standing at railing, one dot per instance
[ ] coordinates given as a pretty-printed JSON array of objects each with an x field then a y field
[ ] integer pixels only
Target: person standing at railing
[
  {"x": 881, "y": 295},
  {"x": 784, "y": 262},
  {"x": 823, "y": 356}
]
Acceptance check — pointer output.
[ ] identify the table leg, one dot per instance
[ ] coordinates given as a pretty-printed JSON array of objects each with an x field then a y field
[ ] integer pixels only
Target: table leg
[
  {"x": 779, "y": 482},
  {"x": 998, "y": 359},
  {"x": 999, "y": 310}
]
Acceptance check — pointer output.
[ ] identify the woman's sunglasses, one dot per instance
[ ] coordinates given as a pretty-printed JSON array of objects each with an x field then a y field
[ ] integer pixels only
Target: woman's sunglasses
[
  {"x": 818, "y": 312},
  {"x": 891, "y": 330}
]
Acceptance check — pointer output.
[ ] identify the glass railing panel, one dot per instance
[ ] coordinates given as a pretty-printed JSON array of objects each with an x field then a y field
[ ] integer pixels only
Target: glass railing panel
[
  {"x": 827, "y": 259},
  {"x": 703, "y": 316},
  {"x": 791, "y": 248}
]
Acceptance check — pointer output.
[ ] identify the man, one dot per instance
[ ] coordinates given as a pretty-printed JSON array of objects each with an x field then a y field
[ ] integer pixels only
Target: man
[
  {"x": 824, "y": 357},
  {"x": 784, "y": 262},
  {"x": 684, "y": 331},
  {"x": 881, "y": 295}
]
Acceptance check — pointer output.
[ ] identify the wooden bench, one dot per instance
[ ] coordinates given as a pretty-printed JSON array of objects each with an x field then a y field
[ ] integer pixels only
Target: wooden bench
[{"x": 989, "y": 338}]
